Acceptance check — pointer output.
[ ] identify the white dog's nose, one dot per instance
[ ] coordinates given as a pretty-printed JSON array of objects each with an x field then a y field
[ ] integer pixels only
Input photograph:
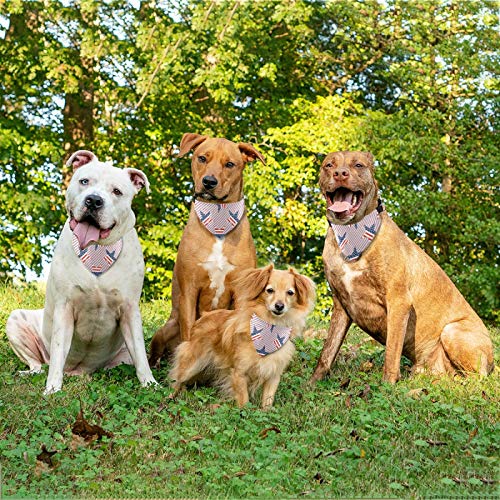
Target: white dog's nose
[{"x": 94, "y": 202}]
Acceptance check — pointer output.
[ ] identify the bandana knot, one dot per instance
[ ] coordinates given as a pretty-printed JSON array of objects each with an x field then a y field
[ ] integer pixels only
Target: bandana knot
[
  {"x": 354, "y": 239},
  {"x": 97, "y": 258},
  {"x": 268, "y": 338},
  {"x": 219, "y": 218}
]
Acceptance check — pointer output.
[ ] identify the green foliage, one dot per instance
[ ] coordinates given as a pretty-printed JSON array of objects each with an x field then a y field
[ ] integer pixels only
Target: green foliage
[
  {"x": 349, "y": 436},
  {"x": 413, "y": 82}
]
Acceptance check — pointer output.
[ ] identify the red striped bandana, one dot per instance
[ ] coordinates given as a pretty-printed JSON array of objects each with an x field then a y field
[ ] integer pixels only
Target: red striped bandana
[
  {"x": 354, "y": 239},
  {"x": 219, "y": 218},
  {"x": 97, "y": 258},
  {"x": 268, "y": 338}
]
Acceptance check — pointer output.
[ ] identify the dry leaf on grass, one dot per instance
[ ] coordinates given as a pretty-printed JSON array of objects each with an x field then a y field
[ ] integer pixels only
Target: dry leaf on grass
[
  {"x": 265, "y": 432},
  {"x": 88, "y": 431}
]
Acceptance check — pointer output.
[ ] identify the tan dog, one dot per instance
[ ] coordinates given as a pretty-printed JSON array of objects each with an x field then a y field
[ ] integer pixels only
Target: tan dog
[
  {"x": 208, "y": 258},
  {"x": 250, "y": 346},
  {"x": 394, "y": 291}
]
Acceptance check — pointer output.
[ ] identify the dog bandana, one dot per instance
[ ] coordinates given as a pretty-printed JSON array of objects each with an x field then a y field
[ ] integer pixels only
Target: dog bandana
[
  {"x": 267, "y": 338},
  {"x": 97, "y": 258},
  {"x": 354, "y": 239},
  {"x": 219, "y": 218}
]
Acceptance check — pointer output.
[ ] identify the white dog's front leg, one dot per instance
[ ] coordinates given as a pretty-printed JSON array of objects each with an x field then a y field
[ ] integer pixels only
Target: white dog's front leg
[
  {"x": 131, "y": 327},
  {"x": 60, "y": 343}
]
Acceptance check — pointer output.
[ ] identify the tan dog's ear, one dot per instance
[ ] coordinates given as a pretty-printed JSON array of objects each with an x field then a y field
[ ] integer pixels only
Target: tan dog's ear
[
  {"x": 249, "y": 153},
  {"x": 305, "y": 288},
  {"x": 190, "y": 141},
  {"x": 369, "y": 156},
  {"x": 251, "y": 284},
  {"x": 81, "y": 157}
]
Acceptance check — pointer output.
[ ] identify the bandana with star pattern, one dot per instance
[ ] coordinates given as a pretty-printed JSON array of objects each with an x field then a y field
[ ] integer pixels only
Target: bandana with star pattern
[
  {"x": 97, "y": 258},
  {"x": 267, "y": 338},
  {"x": 354, "y": 239},
  {"x": 219, "y": 218}
]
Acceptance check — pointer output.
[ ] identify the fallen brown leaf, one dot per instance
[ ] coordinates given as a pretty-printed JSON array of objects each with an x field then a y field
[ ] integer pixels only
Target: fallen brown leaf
[
  {"x": 416, "y": 393},
  {"x": 45, "y": 456},
  {"x": 366, "y": 366},
  {"x": 265, "y": 432},
  {"x": 344, "y": 384},
  {"x": 436, "y": 443},
  {"x": 88, "y": 431},
  {"x": 473, "y": 434}
]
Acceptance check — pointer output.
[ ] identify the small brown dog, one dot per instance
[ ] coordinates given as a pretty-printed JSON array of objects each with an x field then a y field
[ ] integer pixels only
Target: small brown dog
[
  {"x": 250, "y": 346},
  {"x": 388, "y": 286},
  {"x": 216, "y": 244}
]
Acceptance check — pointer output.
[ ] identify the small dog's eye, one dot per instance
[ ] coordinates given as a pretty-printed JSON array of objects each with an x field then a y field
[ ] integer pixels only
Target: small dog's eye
[
  {"x": 269, "y": 290},
  {"x": 359, "y": 165},
  {"x": 328, "y": 165},
  {"x": 84, "y": 182},
  {"x": 117, "y": 192},
  {"x": 290, "y": 292},
  {"x": 202, "y": 159},
  {"x": 229, "y": 164}
]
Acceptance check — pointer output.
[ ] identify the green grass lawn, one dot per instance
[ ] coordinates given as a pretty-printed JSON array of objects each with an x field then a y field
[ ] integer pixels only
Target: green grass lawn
[{"x": 349, "y": 436}]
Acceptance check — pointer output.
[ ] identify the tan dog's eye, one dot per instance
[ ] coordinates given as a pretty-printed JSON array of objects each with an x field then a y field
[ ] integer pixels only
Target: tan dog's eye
[
  {"x": 359, "y": 165},
  {"x": 202, "y": 159},
  {"x": 117, "y": 192},
  {"x": 290, "y": 292},
  {"x": 229, "y": 164},
  {"x": 269, "y": 290},
  {"x": 328, "y": 165}
]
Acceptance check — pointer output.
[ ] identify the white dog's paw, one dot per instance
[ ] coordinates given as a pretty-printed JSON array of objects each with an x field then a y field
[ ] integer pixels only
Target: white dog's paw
[
  {"x": 51, "y": 389},
  {"x": 149, "y": 382},
  {"x": 32, "y": 371}
]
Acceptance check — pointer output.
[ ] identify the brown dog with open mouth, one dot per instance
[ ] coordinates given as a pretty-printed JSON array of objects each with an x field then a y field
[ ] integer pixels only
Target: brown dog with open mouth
[
  {"x": 216, "y": 243},
  {"x": 389, "y": 286}
]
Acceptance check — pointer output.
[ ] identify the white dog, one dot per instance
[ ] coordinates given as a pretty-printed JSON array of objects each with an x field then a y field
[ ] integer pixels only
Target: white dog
[{"x": 91, "y": 318}]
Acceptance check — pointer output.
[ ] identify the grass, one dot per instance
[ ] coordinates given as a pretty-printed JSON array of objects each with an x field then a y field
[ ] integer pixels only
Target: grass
[{"x": 349, "y": 436}]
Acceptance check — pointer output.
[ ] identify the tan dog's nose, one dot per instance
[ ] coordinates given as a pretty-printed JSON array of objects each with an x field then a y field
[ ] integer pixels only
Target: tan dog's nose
[
  {"x": 209, "y": 182},
  {"x": 342, "y": 173}
]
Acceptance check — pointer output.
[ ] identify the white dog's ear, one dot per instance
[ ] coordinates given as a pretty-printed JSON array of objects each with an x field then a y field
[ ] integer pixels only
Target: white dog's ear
[
  {"x": 190, "y": 141},
  {"x": 138, "y": 179},
  {"x": 81, "y": 157}
]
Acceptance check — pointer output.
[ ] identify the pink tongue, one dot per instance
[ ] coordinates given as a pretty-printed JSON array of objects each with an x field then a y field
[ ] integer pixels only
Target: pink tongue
[
  {"x": 85, "y": 233},
  {"x": 340, "y": 206}
]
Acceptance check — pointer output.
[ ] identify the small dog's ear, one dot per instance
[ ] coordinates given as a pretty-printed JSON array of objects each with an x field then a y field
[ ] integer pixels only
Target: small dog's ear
[
  {"x": 190, "y": 141},
  {"x": 306, "y": 289},
  {"x": 249, "y": 153},
  {"x": 81, "y": 157},
  {"x": 251, "y": 284},
  {"x": 138, "y": 179}
]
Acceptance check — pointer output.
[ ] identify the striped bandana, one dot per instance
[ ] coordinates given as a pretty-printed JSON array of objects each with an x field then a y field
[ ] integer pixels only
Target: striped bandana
[
  {"x": 268, "y": 338},
  {"x": 354, "y": 239},
  {"x": 219, "y": 218},
  {"x": 98, "y": 258}
]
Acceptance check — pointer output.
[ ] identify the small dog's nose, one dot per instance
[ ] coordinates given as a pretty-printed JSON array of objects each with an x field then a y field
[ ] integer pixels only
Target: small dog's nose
[
  {"x": 209, "y": 181},
  {"x": 279, "y": 306},
  {"x": 341, "y": 172},
  {"x": 94, "y": 202}
]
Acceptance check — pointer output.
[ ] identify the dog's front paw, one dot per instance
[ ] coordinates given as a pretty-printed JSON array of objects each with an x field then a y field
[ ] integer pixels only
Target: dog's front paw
[
  {"x": 391, "y": 378},
  {"x": 51, "y": 389},
  {"x": 150, "y": 382}
]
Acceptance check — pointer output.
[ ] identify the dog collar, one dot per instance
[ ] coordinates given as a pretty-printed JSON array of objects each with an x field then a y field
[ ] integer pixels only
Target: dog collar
[
  {"x": 219, "y": 218},
  {"x": 97, "y": 258},
  {"x": 354, "y": 239},
  {"x": 267, "y": 338}
]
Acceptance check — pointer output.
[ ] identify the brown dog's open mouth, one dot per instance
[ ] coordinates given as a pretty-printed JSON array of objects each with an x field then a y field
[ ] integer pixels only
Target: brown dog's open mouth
[{"x": 343, "y": 202}]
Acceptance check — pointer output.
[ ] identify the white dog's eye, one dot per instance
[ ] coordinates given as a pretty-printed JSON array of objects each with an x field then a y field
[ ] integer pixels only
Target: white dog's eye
[
  {"x": 84, "y": 182},
  {"x": 269, "y": 290},
  {"x": 117, "y": 192}
]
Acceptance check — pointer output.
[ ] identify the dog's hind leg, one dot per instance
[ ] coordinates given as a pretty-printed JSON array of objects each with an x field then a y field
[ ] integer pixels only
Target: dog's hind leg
[
  {"x": 23, "y": 330},
  {"x": 165, "y": 340},
  {"x": 468, "y": 346},
  {"x": 191, "y": 358}
]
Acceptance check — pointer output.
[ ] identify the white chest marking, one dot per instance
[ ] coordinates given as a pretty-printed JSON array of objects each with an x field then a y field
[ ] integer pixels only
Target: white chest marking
[
  {"x": 348, "y": 278},
  {"x": 217, "y": 267}
]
